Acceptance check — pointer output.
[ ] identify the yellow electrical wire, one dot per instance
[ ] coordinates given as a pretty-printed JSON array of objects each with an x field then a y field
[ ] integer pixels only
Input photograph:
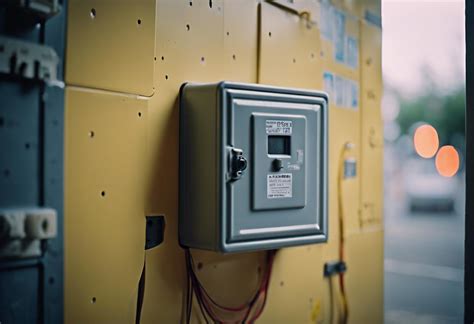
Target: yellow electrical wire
[{"x": 345, "y": 306}]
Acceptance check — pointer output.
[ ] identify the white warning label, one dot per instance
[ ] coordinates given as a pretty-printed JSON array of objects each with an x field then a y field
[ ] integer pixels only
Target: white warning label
[
  {"x": 279, "y": 185},
  {"x": 279, "y": 127}
]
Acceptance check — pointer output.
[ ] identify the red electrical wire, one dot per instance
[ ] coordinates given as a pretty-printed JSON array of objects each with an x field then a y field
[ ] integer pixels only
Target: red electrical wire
[{"x": 207, "y": 303}]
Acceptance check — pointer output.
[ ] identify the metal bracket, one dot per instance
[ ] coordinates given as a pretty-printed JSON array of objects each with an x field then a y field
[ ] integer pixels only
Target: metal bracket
[
  {"x": 334, "y": 267},
  {"x": 22, "y": 230},
  {"x": 28, "y": 60},
  {"x": 350, "y": 168},
  {"x": 155, "y": 231},
  {"x": 42, "y": 8}
]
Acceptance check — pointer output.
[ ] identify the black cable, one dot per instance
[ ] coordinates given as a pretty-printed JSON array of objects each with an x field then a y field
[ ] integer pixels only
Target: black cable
[
  {"x": 140, "y": 295},
  {"x": 189, "y": 290},
  {"x": 189, "y": 300}
]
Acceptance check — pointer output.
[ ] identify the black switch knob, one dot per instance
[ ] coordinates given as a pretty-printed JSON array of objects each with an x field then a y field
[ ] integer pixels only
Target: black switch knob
[{"x": 277, "y": 165}]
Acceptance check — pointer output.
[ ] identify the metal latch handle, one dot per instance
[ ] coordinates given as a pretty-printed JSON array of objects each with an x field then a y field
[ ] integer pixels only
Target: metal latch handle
[{"x": 238, "y": 163}]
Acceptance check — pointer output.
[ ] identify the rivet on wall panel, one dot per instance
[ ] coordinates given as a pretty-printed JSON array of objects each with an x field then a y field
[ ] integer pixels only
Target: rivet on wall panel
[
  {"x": 233, "y": 57},
  {"x": 27, "y": 146},
  {"x": 228, "y": 34},
  {"x": 203, "y": 59},
  {"x": 282, "y": 283},
  {"x": 139, "y": 114},
  {"x": 166, "y": 76},
  {"x": 102, "y": 193},
  {"x": 294, "y": 60},
  {"x": 93, "y": 13},
  {"x": 91, "y": 134},
  {"x": 162, "y": 58},
  {"x": 188, "y": 27},
  {"x": 190, "y": 3},
  {"x": 210, "y": 3},
  {"x": 93, "y": 300},
  {"x": 139, "y": 21},
  {"x": 269, "y": 34}
]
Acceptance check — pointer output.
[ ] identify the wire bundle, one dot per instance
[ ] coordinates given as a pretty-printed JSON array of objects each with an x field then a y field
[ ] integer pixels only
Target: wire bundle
[{"x": 245, "y": 313}]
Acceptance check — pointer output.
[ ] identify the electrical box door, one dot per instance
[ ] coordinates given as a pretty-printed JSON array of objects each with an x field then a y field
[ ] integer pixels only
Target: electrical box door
[{"x": 253, "y": 167}]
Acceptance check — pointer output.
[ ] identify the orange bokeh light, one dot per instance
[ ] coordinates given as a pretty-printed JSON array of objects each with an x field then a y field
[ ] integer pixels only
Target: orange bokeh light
[
  {"x": 447, "y": 161},
  {"x": 426, "y": 141}
]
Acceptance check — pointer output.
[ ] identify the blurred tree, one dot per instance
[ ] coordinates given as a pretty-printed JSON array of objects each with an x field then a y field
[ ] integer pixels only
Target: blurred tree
[{"x": 444, "y": 111}]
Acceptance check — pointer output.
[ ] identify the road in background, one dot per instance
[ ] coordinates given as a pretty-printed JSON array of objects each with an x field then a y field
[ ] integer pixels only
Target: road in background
[{"x": 424, "y": 256}]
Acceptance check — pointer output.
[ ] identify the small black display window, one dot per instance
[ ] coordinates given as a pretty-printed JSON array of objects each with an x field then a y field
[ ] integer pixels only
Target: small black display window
[{"x": 279, "y": 145}]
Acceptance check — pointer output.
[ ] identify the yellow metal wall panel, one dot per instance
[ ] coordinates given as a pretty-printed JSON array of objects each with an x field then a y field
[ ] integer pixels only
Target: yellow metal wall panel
[
  {"x": 344, "y": 127},
  {"x": 109, "y": 47},
  {"x": 194, "y": 41},
  {"x": 241, "y": 40},
  {"x": 182, "y": 55},
  {"x": 298, "y": 65},
  {"x": 192, "y": 45},
  {"x": 104, "y": 205},
  {"x": 364, "y": 278},
  {"x": 372, "y": 129},
  {"x": 296, "y": 285}
]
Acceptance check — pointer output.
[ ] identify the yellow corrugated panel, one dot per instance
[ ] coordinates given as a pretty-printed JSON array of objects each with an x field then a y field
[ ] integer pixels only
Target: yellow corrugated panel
[
  {"x": 135, "y": 158},
  {"x": 372, "y": 127},
  {"x": 104, "y": 205},
  {"x": 110, "y": 45}
]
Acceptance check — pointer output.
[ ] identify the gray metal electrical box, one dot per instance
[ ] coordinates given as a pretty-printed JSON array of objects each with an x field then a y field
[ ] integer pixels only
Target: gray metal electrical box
[{"x": 253, "y": 167}]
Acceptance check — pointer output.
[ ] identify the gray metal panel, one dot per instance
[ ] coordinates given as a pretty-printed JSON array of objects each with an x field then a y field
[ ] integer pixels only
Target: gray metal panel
[
  {"x": 280, "y": 217},
  {"x": 23, "y": 283},
  {"x": 31, "y": 131},
  {"x": 20, "y": 145},
  {"x": 292, "y": 164},
  {"x": 283, "y": 227},
  {"x": 198, "y": 166}
]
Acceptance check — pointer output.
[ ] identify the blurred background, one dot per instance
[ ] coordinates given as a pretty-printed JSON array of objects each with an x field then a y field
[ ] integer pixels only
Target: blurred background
[{"x": 423, "y": 111}]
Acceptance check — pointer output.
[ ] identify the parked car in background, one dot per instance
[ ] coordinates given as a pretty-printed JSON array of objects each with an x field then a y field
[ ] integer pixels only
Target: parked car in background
[{"x": 426, "y": 189}]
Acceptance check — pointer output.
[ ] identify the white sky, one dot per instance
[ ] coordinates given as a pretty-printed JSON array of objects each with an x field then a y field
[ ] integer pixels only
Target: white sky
[{"x": 423, "y": 35}]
